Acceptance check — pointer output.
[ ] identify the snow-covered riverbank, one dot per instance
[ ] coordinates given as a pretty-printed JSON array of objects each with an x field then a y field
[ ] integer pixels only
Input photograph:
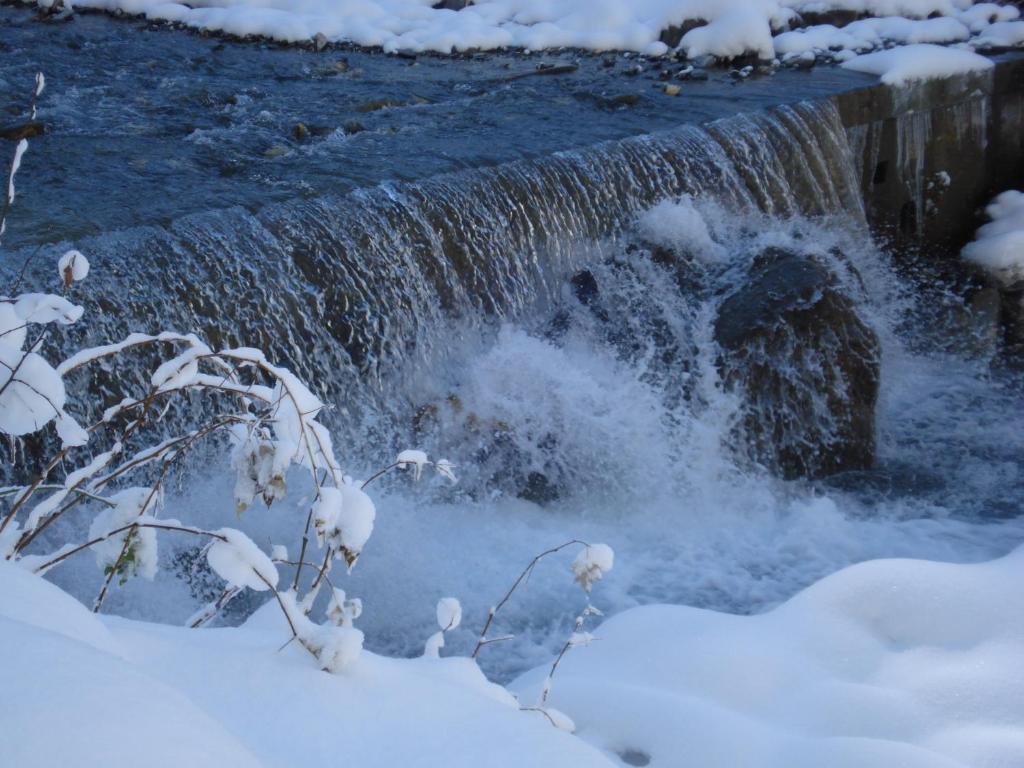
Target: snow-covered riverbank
[
  {"x": 889, "y": 663},
  {"x": 721, "y": 28}
]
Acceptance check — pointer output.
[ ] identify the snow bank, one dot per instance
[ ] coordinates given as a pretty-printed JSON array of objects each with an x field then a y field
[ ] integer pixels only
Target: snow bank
[
  {"x": 888, "y": 663},
  {"x": 898, "y": 66},
  {"x": 998, "y": 247},
  {"x": 71, "y": 699},
  {"x": 79, "y": 694},
  {"x": 727, "y": 27}
]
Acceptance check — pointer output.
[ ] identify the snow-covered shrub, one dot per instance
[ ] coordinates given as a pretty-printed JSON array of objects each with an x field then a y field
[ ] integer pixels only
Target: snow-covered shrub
[{"x": 116, "y": 468}]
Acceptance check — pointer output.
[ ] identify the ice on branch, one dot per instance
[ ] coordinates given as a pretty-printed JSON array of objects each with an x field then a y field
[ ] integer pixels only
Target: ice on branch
[
  {"x": 344, "y": 519},
  {"x": 449, "y": 613},
  {"x": 412, "y": 460},
  {"x": 446, "y": 469},
  {"x": 591, "y": 564},
  {"x": 19, "y": 152},
  {"x": 132, "y": 552},
  {"x": 415, "y": 460},
  {"x": 259, "y": 467},
  {"x": 72, "y": 267},
  {"x": 335, "y": 647},
  {"x": 449, "y": 616},
  {"x": 342, "y": 612},
  {"x": 31, "y": 393},
  {"x": 71, "y": 433},
  {"x": 236, "y": 559}
]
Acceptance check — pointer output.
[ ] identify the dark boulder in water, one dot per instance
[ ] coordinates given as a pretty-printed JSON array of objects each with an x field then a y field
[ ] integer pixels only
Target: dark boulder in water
[{"x": 807, "y": 364}]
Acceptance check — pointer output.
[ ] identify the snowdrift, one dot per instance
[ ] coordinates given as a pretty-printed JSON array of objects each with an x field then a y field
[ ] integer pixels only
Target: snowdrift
[{"x": 888, "y": 663}]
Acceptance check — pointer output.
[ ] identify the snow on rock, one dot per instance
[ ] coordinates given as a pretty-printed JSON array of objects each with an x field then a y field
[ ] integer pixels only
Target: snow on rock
[
  {"x": 998, "y": 247},
  {"x": 1004, "y": 34},
  {"x": 592, "y": 563},
  {"x": 898, "y": 66},
  {"x": 726, "y": 28},
  {"x": 888, "y": 663},
  {"x": 738, "y": 31},
  {"x": 240, "y": 562}
]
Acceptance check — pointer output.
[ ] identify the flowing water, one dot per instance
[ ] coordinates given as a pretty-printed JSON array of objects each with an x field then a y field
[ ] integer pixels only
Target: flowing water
[{"x": 520, "y": 320}]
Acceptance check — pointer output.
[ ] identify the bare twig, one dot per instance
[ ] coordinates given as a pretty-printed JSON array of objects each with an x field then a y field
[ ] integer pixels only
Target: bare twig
[{"x": 522, "y": 576}]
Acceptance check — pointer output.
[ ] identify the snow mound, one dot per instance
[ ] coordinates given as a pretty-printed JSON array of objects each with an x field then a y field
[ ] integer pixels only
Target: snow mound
[
  {"x": 998, "y": 247},
  {"x": 889, "y": 663},
  {"x": 72, "y": 699},
  {"x": 79, "y": 693},
  {"x": 27, "y": 599},
  {"x": 898, "y": 66}
]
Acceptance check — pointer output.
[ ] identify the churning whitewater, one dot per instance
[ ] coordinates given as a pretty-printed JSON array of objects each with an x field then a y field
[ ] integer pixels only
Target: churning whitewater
[{"x": 526, "y": 322}]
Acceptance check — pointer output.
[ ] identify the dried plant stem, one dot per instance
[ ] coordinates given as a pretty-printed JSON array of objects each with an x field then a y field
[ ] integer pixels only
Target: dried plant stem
[{"x": 482, "y": 641}]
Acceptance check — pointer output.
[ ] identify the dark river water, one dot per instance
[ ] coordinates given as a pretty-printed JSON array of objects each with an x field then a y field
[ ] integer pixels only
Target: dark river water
[{"x": 146, "y": 124}]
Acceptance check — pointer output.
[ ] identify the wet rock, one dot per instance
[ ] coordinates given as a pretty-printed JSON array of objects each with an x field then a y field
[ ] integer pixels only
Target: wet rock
[
  {"x": 451, "y": 5},
  {"x": 26, "y": 130},
  {"x": 584, "y": 286},
  {"x": 376, "y": 105},
  {"x": 673, "y": 35},
  {"x": 539, "y": 489},
  {"x": 808, "y": 366},
  {"x": 544, "y": 69},
  {"x": 691, "y": 73},
  {"x": 1012, "y": 318},
  {"x": 837, "y": 18},
  {"x": 623, "y": 100}
]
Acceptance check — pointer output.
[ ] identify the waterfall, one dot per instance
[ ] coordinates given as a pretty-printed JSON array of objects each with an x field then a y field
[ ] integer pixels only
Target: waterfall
[{"x": 356, "y": 291}]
